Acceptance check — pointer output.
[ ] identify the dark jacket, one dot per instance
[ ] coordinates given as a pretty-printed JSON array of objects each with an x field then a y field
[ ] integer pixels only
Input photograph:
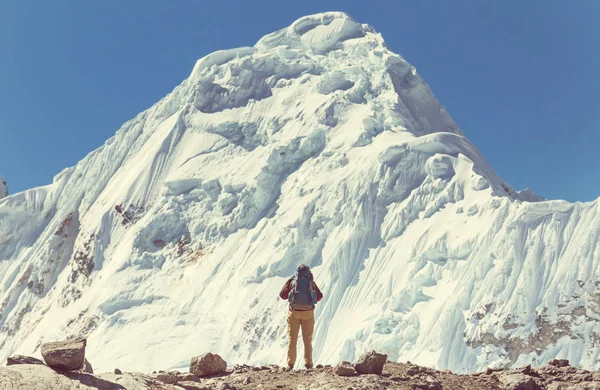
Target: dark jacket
[{"x": 285, "y": 293}]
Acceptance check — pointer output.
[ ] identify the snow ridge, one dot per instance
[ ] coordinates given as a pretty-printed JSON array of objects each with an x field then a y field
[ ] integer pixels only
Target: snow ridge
[{"x": 317, "y": 145}]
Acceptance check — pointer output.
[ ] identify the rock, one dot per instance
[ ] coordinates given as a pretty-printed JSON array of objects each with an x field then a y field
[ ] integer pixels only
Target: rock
[
  {"x": 345, "y": 369},
  {"x": 247, "y": 380},
  {"x": 192, "y": 386},
  {"x": 68, "y": 355},
  {"x": 20, "y": 359},
  {"x": 87, "y": 367},
  {"x": 42, "y": 377},
  {"x": 226, "y": 386},
  {"x": 188, "y": 377},
  {"x": 371, "y": 363},
  {"x": 518, "y": 382},
  {"x": 526, "y": 370},
  {"x": 430, "y": 384},
  {"x": 118, "y": 372},
  {"x": 558, "y": 362},
  {"x": 167, "y": 378},
  {"x": 208, "y": 364},
  {"x": 413, "y": 370},
  {"x": 319, "y": 366}
]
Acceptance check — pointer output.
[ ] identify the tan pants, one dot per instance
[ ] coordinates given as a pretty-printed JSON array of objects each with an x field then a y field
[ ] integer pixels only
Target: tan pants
[{"x": 296, "y": 320}]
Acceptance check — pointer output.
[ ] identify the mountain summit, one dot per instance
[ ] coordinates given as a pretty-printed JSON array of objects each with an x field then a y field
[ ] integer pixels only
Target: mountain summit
[{"x": 319, "y": 146}]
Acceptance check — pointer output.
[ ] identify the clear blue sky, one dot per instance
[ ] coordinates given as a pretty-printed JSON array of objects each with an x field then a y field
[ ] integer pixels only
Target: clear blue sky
[{"x": 519, "y": 77}]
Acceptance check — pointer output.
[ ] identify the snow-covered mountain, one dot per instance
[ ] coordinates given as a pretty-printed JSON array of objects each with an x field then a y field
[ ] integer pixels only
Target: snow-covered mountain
[{"x": 317, "y": 145}]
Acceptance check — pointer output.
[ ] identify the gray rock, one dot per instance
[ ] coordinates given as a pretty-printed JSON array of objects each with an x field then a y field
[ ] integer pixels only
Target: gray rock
[
  {"x": 208, "y": 364},
  {"x": 518, "y": 382},
  {"x": 432, "y": 384},
  {"x": 188, "y": 377},
  {"x": 345, "y": 369},
  {"x": 427, "y": 386},
  {"x": 42, "y": 377},
  {"x": 118, "y": 372},
  {"x": 20, "y": 359},
  {"x": 371, "y": 363},
  {"x": 559, "y": 362},
  {"x": 68, "y": 355},
  {"x": 187, "y": 385},
  {"x": 167, "y": 378}
]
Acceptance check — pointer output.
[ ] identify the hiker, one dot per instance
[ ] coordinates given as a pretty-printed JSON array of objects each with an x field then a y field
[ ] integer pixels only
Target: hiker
[{"x": 302, "y": 293}]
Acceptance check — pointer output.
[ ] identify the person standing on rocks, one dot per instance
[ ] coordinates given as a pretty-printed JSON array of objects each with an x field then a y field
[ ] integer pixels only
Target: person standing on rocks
[{"x": 302, "y": 293}]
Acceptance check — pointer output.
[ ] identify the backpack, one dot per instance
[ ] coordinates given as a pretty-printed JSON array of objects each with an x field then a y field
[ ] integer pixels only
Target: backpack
[{"x": 302, "y": 289}]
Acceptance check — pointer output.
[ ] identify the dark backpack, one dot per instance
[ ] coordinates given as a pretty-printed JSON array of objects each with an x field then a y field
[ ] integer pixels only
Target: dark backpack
[{"x": 302, "y": 289}]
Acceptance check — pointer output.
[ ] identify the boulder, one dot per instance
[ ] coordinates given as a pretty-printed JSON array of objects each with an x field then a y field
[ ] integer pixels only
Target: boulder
[
  {"x": 345, "y": 369},
  {"x": 20, "y": 359},
  {"x": 518, "y": 382},
  {"x": 371, "y": 363},
  {"x": 167, "y": 378},
  {"x": 431, "y": 384},
  {"x": 558, "y": 362},
  {"x": 208, "y": 364},
  {"x": 68, "y": 355}
]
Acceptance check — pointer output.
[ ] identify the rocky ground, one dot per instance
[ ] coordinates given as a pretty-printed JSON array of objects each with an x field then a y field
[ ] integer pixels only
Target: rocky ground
[
  {"x": 65, "y": 367},
  {"x": 394, "y": 376}
]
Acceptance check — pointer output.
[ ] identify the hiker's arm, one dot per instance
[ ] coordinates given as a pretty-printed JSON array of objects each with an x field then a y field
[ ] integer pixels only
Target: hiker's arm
[
  {"x": 319, "y": 293},
  {"x": 285, "y": 291}
]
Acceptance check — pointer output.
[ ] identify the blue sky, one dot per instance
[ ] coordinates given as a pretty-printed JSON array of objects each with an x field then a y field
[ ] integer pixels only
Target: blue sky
[{"x": 519, "y": 77}]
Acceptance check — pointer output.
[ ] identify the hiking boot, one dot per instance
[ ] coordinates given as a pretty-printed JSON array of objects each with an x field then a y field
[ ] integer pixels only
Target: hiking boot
[
  {"x": 308, "y": 366},
  {"x": 290, "y": 367}
]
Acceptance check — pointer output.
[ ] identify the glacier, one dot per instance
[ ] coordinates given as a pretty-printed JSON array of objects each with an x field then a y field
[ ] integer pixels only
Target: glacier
[{"x": 318, "y": 145}]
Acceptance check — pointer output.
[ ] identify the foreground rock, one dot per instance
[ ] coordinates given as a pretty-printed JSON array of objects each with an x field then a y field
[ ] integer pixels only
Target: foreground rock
[
  {"x": 519, "y": 381},
  {"x": 208, "y": 364},
  {"x": 68, "y": 355},
  {"x": 38, "y": 377},
  {"x": 20, "y": 359},
  {"x": 371, "y": 363},
  {"x": 345, "y": 369}
]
